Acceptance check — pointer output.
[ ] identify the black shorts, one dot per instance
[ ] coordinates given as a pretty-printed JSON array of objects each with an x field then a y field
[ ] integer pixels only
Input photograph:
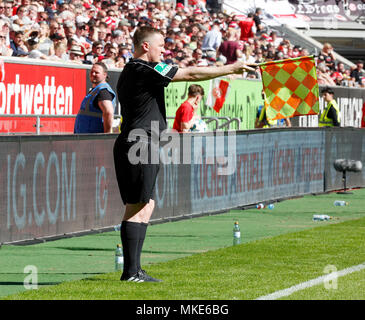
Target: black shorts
[{"x": 136, "y": 181}]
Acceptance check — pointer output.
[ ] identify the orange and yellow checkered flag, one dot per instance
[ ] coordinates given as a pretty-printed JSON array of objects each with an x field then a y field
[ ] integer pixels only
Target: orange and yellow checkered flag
[{"x": 291, "y": 87}]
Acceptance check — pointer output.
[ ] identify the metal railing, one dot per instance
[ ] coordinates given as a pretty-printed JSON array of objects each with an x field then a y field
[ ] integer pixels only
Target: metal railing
[
  {"x": 37, "y": 124},
  {"x": 216, "y": 120},
  {"x": 229, "y": 121}
]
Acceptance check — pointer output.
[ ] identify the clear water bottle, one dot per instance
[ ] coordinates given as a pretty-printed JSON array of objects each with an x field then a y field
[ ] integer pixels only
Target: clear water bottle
[
  {"x": 117, "y": 227},
  {"x": 271, "y": 206},
  {"x": 340, "y": 203},
  {"x": 260, "y": 206},
  {"x": 321, "y": 217},
  {"x": 236, "y": 234},
  {"x": 119, "y": 258}
]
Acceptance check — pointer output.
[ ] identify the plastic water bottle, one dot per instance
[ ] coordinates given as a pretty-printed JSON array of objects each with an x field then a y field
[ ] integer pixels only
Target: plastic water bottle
[
  {"x": 260, "y": 206},
  {"x": 340, "y": 203},
  {"x": 321, "y": 217},
  {"x": 117, "y": 227},
  {"x": 271, "y": 206},
  {"x": 236, "y": 234},
  {"x": 119, "y": 258}
]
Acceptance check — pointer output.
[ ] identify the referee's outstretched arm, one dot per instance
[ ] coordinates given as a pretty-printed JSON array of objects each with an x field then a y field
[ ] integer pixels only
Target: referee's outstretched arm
[{"x": 207, "y": 73}]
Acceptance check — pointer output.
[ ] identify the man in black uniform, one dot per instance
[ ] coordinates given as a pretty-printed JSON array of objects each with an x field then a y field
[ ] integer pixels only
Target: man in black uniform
[{"x": 140, "y": 91}]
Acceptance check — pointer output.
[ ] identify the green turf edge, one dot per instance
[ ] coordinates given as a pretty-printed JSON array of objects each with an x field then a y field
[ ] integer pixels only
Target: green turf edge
[{"x": 240, "y": 272}]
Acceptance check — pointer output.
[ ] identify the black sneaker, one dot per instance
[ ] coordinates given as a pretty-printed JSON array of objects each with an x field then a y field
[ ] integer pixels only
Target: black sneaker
[
  {"x": 143, "y": 275},
  {"x": 140, "y": 276},
  {"x": 134, "y": 278}
]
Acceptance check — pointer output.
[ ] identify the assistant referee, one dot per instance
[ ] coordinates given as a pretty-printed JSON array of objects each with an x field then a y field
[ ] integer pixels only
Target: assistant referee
[{"x": 140, "y": 91}]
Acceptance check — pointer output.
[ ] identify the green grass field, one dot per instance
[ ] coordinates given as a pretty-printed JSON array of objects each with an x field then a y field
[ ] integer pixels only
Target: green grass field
[{"x": 281, "y": 248}]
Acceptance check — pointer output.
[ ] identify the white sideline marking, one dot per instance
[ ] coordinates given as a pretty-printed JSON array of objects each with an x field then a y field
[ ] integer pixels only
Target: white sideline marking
[{"x": 310, "y": 283}]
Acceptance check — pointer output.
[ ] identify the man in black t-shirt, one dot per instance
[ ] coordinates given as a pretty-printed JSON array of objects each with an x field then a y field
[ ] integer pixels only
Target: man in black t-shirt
[
  {"x": 140, "y": 92},
  {"x": 258, "y": 23}
]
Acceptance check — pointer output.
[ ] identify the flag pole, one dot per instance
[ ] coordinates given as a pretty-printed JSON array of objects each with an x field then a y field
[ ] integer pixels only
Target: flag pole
[{"x": 284, "y": 60}]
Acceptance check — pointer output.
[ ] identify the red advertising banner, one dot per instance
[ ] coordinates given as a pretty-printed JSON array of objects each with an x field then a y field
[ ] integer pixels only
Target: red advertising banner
[{"x": 40, "y": 90}]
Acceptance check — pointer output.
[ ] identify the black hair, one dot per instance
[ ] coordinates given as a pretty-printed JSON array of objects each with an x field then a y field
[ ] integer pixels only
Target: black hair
[{"x": 327, "y": 90}]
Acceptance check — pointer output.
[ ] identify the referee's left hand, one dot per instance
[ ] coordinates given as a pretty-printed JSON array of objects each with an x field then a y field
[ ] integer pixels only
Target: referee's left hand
[{"x": 240, "y": 67}]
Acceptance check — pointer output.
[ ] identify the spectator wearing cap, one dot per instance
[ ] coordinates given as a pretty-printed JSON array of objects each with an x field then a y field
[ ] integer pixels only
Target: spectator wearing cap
[
  {"x": 32, "y": 44},
  {"x": 175, "y": 22},
  {"x": 169, "y": 43},
  {"x": 90, "y": 10},
  {"x": 17, "y": 45},
  {"x": 125, "y": 26},
  {"x": 337, "y": 78},
  {"x": 212, "y": 40},
  {"x": 76, "y": 55}
]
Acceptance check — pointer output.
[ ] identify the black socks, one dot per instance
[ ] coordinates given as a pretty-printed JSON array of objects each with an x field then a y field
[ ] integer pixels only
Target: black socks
[
  {"x": 132, "y": 235},
  {"x": 142, "y": 236}
]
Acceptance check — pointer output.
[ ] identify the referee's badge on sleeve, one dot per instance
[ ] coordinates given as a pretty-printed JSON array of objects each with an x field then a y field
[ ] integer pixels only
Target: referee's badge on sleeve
[{"x": 163, "y": 68}]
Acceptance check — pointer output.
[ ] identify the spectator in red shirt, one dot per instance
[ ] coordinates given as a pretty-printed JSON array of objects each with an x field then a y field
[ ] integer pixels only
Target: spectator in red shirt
[
  {"x": 186, "y": 114},
  {"x": 246, "y": 27}
]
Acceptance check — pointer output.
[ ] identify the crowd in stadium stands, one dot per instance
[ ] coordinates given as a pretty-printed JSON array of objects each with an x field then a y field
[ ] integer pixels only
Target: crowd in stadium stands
[{"x": 86, "y": 31}]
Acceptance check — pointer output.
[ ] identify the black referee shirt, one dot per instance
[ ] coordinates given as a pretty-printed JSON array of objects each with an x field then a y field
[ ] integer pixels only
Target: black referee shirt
[{"x": 140, "y": 92}]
